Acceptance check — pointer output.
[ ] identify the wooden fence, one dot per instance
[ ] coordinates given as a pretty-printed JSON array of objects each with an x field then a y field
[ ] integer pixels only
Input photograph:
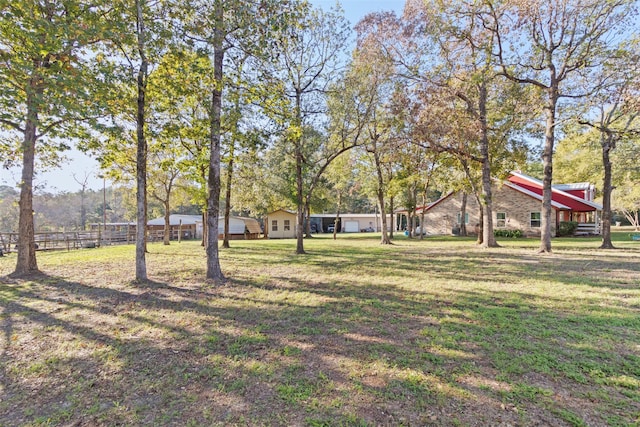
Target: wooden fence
[
  {"x": 82, "y": 239},
  {"x": 68, "y": 240}
]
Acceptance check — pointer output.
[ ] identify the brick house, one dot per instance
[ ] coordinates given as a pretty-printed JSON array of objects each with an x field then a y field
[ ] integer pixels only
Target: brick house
[{"x": 517, "y": 205}]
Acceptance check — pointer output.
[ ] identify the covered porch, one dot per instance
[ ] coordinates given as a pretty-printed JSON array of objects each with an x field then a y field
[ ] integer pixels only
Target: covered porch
[{"x": 589, "y": 223}]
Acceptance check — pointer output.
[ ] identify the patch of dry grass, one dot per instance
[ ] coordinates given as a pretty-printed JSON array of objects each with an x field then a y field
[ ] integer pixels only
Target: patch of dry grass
[{"x": 434, "y": 332}]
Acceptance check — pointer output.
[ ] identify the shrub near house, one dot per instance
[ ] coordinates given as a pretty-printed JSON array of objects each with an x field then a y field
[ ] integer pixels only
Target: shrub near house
[
  {"x": 567, "y": 228},
  {"x": 508, "y": 233}
]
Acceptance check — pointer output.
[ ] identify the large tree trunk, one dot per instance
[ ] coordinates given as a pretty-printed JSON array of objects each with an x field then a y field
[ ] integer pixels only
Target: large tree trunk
[
  {"x": 486, "y": 237},
  {"x": 547, "y": 163},
  {"x": 607, "y": 146},
  {"x": 26, "y": 261},
  {"x": 214, "y": 272},
  {"x": 141, "y": 154}
]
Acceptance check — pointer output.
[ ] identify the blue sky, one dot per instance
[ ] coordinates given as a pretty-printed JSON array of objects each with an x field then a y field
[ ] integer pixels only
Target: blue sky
[
  {"x": 61, "y": 179},
  {"x": 355, "y": 10}
]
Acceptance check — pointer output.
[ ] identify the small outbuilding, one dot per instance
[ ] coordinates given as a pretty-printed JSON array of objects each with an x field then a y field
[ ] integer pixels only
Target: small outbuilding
[
  {"x": 185, "y": 226},
  {"x": 280, "y": 224},
  {"x": 240, "y": 228},
  {"x": 348, "y": 222}
]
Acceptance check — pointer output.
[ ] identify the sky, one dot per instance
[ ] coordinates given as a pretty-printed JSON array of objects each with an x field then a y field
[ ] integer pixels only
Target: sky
[{"x": 62, "y": 178}]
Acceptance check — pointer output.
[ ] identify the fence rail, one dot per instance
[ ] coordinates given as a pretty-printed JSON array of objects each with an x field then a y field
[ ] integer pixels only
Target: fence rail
[
  {"x": 67, "y": 239},
  {"x": 53, "y": 240},
  {"x": 83, "y": 239}
]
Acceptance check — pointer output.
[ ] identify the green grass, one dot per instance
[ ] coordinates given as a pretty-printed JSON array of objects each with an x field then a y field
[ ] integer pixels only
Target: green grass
[{"x": 431, "y": 332}]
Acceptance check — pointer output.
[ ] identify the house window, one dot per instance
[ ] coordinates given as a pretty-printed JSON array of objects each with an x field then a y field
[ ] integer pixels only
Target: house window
[
  {"x": 535, "y": 219},
  {"x": 501, "y": 219},
  {"x": 274, "y": 225},
  {"x": 466, "y": 217},
  {"x": 287, "y": 225}
]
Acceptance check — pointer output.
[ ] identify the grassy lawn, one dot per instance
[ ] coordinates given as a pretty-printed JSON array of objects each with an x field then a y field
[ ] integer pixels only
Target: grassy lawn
[{"x": 433, "y": 332}]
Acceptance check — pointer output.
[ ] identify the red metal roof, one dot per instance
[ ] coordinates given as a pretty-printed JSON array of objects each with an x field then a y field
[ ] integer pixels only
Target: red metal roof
[
  {"x": 573, "y": 202},
  {"x": 560, "y": 200}
]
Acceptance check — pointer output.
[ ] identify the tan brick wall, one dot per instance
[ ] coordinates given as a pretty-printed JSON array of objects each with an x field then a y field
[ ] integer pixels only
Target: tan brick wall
[
  {"x": 441, "y": 218},
  {"x": 518, "y": 208}
]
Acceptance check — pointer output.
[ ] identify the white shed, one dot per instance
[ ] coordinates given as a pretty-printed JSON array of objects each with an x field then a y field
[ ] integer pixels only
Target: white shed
[
  {"x": 240, "y": 228},
  {"x": 280, "y": 224}
]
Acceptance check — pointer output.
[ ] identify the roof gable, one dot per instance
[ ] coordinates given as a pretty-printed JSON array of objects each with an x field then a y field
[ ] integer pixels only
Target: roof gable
[
  {"x": 532, "y": 187},
  {"x": 567, "y": 200},
  {"x": 282, "y": 210}
]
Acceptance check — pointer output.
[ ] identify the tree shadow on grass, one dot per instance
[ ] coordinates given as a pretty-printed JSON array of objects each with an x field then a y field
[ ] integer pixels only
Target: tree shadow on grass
[
  {"x": 91, "y": 367},
  {"x": 297, "y": 351}
]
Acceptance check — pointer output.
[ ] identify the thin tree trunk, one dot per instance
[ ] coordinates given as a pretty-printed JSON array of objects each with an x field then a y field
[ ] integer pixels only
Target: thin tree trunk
[
  {"x": 411, "y": 213},
  {"x": 307, "y": 214},
  {"x": 214, "y": 272},
  {"x": 141, "y": 188},
  {"x": 300, "y": 202},
  {"x": 204, "y": 228},
  {"x": 384, "y": 239},
  {"x": 488, "y": 239},
  {"x": 424, "y": 205},
  {"x": 166, "y": 204},
  {"x": 480, "y": 226},
  {"x": 633, "y": 218},
  {"x": 299, "y": 181},
  {"x": 227, "y": 200},
  {"x": 337, "y": 219},
  {"x": 463, "y": 214},
  {"x": 547, "y": 162},
  {"x": 607, "y": 146},
  {"x": 166, "y": 238},
  {"x": 391, "y": 217},
  {"x": 414, "y": 203},
  {"x": 83, "y": 199},
  {"x": 141, "y": 153}
]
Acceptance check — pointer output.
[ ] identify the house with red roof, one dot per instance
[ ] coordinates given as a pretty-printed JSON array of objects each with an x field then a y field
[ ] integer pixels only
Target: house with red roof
[{"x": 517, "y": 205}]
